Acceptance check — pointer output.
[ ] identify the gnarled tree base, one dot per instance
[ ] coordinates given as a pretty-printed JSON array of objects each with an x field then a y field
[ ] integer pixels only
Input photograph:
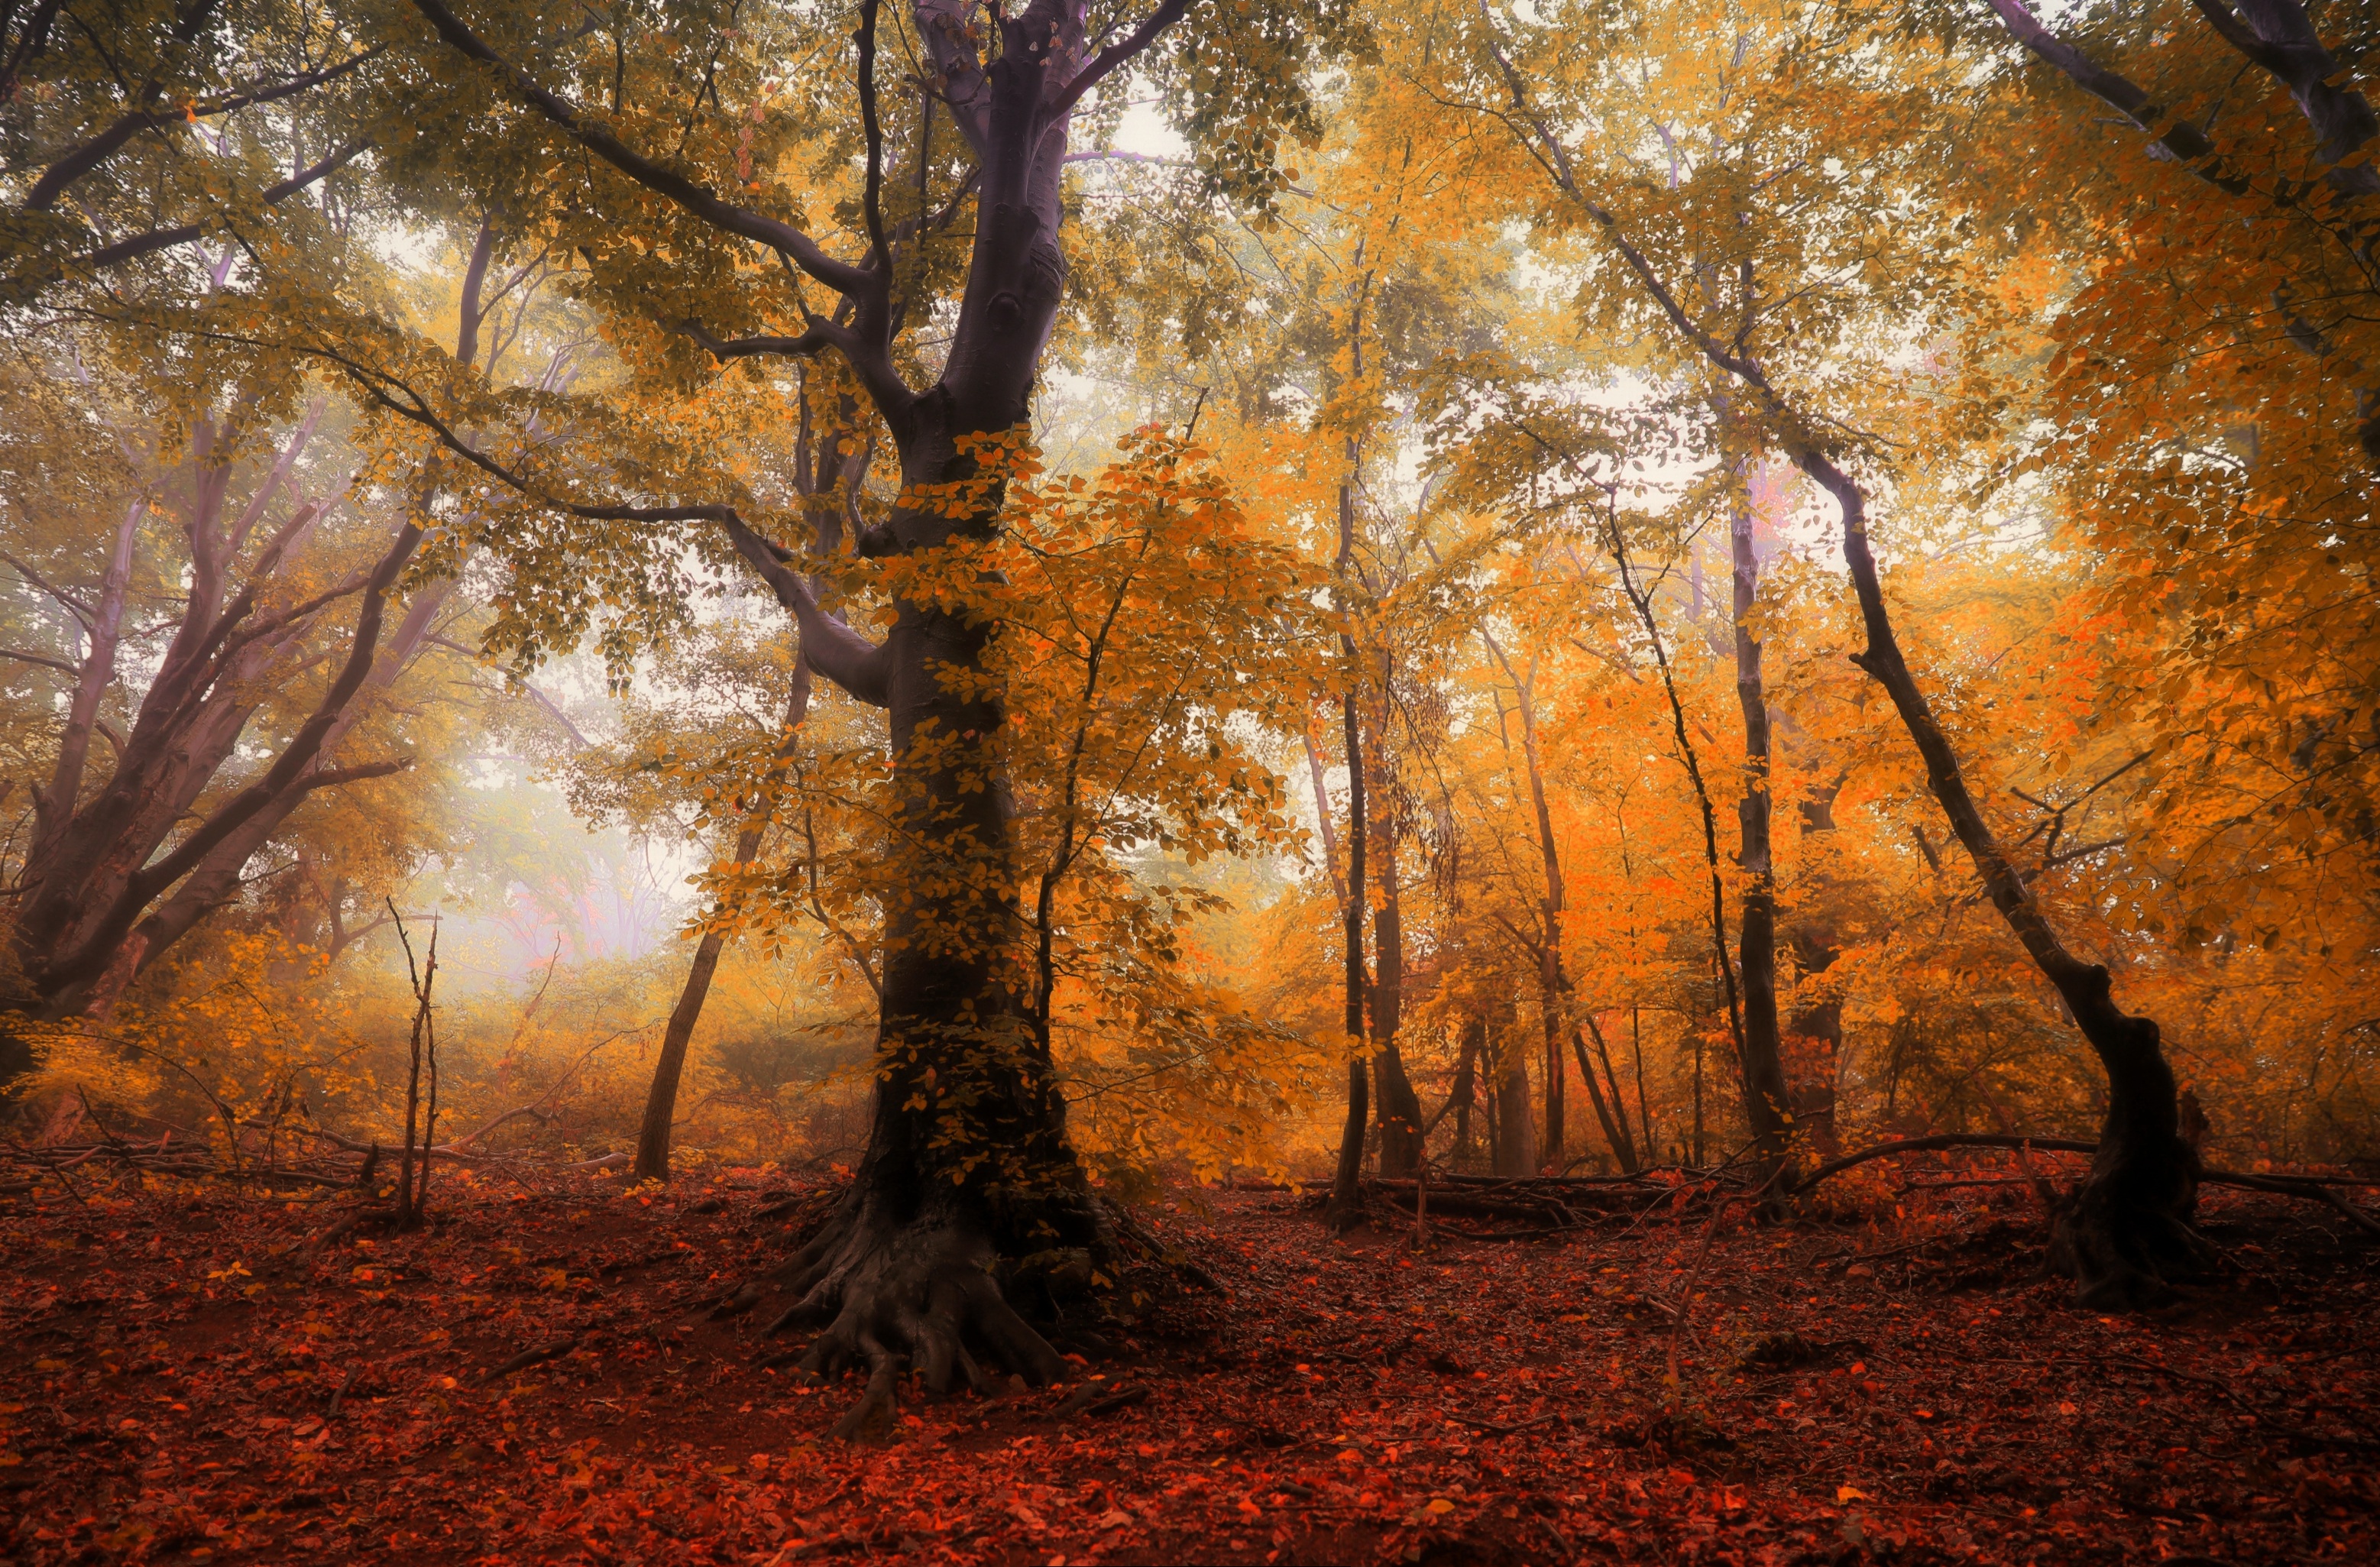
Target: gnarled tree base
[
  {"x": 886, "y": 1292},
  {"x": 2124, "y": 1235}
]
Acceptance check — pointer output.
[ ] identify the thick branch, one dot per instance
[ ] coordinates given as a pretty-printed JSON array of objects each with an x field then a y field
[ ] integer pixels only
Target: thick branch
[
  {"x": 833, "y": 648},
  {"x": 295, "y": 758},
  {"x": 1117, "y": 54},
  {"x": 166, "y": 238},
  {"x": 2180, "y": 141},
  {"x": 942, "y": 29},
  {"x": 2278, "y": 36},
  {"x": 82, "y": 160},
  {"x": 698, "y": 199}
]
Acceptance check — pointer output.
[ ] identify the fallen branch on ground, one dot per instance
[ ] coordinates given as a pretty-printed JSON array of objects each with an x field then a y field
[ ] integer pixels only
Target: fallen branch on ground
[{"x": 2310, "y": 1188}]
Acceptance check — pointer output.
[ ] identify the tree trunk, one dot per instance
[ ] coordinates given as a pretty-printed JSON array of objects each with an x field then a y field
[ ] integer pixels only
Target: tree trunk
[
  {"x": 1604, "y": 1095},
  {"x": 1465, "y": 1091},
  {"x": 1517, "y": 1150},
  {"x": 968, "y": 1166},
  {"x": 2126, "y": 1231},
  {"x": 661, "y": 1100},
  {"x": 1765, "y": 1104},
  {"x": 1399, "y": 1107},
  {"x": 1346, "y": 1197},
  {"x": 1817, "y": 945}
]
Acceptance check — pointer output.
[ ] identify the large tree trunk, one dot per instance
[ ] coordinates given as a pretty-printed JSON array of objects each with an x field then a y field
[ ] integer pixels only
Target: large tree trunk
[
  {"x": 968, "y": 1167},
  {"x": 1765, "y": 1102},
  {"x": 1516, "y": 1148}
]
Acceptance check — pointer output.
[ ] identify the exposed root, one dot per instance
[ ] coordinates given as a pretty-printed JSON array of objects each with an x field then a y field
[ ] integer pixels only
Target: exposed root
[
  {"x": 537, "y": 1357},
  {"x": 2125, "y": 1246},
  {"x": 355, "y": 1220},
  {"x": 921, "y": 1294}
]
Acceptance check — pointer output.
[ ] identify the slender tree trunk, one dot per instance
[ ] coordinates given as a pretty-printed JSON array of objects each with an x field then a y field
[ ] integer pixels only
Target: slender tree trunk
[
  {"x": 829, "y": 471},
  {"x": 1346, "y": 1197},
  {"x": 1553, "y": 983},
  {"x": 1644, "y": 1105},
  {"x": 661, "y": 1101},
  {"x": 1465, "y": 1091},
  {"x": 1399, "y": 1107},
  {"x": 1819, "y": 1023},
  {"x": 1556, "y": 1073},
  {"x": 2127, "y": 1230},
  {"x": 1766, "y": 1105},
  {"x": 1612, "y": 1109}
]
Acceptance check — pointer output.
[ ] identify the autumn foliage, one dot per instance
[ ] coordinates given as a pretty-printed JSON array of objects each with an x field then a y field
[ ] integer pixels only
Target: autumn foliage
[{"x": 1221, "y": 779}]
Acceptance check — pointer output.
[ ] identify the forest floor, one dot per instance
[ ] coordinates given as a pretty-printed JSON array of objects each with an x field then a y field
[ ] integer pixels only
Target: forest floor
[{"x": 180, "y": 1382}]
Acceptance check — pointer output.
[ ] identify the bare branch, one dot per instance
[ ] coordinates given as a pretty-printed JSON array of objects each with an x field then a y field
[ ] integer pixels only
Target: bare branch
[
  {"x": 1117, "y": 54},
  {"x": 165, "y": 238},
  {"x": 21, "y": 656},
  {"x": 82, "y": 160},
  {"x": 834, "y": 649}
]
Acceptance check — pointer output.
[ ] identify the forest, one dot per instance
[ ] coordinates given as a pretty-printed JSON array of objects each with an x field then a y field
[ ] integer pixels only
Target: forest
[{"x": 1223, "y": 780}]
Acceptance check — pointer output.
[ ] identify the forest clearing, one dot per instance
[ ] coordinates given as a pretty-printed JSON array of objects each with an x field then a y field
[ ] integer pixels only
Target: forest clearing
[{"x": 1013, "y": 780}]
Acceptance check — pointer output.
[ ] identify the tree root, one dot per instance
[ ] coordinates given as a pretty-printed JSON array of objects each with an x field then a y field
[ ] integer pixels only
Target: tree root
[
  {"x": 922, "y": 1294},
  {"x": 537, "y": 1357},
  {"x": 355, "y": 1220}
]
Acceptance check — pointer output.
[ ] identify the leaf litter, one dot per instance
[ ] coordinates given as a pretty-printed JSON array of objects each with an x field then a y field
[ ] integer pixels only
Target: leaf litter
[{"x": 538, "y": 1378}]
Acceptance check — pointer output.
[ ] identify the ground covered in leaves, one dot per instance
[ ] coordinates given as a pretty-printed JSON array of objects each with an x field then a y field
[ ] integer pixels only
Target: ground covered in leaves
[{"x": 180, "y": 1380}]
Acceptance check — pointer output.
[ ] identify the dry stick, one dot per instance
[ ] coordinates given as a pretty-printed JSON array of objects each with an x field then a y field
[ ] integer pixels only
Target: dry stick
[
  {"x": 404, "y": 1210},
  {"x": 1943, "y": 1140},
  {"x": 429, "y": 1049}
]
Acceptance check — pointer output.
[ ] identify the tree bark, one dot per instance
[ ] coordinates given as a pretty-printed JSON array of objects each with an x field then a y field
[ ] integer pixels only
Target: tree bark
[
  {"x": 661, "y": 1098},
  {"x": 1346, "y": 1197},
  {"x": 1516, "y": 1148},
  {"x": 1465, "y": 1091},
  {"x": 1399, "y": 1108},
  {"x": 1766, "y": 1105},
  {"x": 2126, "y": 1232},
  {"x": 1816, "y": 946}
]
